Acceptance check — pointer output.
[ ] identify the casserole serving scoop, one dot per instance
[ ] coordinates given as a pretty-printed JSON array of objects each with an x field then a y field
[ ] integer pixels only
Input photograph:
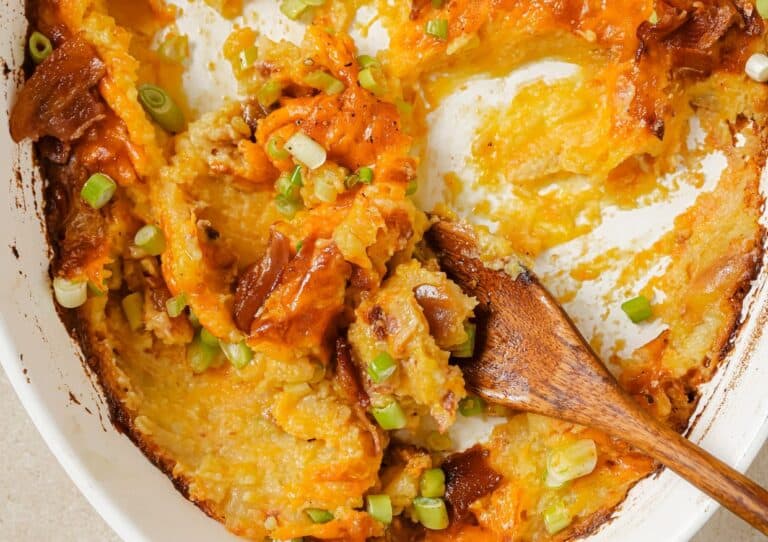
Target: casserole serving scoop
[{"x": 531, "y": 357}]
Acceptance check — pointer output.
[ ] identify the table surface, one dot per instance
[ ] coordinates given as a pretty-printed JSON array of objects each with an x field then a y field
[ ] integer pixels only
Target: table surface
[{"x": 39, "y": 502}]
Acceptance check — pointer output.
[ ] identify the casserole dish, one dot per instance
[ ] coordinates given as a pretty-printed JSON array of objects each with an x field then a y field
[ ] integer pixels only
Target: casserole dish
[{"x": 138, "y": 508}]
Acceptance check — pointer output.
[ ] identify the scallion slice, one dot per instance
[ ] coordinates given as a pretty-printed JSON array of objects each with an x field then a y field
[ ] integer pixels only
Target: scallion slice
[
  {"x": 286, "y": 206},
  {"x": 379, "y": 507},
  {"x": 390, "y": 415},
  {"x": 467, "y": 348},
  {"x": 412, "y": 187},
  {"x": 318, "y": 515},
  {"x": 40, "y": 47},
  {"x": 437, "y": 28},
  {"x": 161, "y": 107},
  {"x": 208, "y": 338},
  {"x": 370, "y": 79},
  {"x": 70, "y": 294},
  {"x": 762, "y": 8},
  {"x": 269, "y": 93},
  {"x": 293, "y": 9},
  {"x": 471, "y": 406},
  {"x": 638, "y": 308},
  {"x": 324, "y": 81},
  {"x": 431, "y": 512},
  {"x": 98, "y": 190},
  {"x": 150, "y": 239},
  {"x": 247, "y": 57},
  {"x": 570, "y": 461},
  {"x": 201, "y": 355},
  {"x": 432, "y": 483},
  {"x": 381, "y": 367},
  {"x": 365, "y": 174},
  {"x": 440, "y": 442},
  {"x": 133, "y": 308},
  {"x": 556, "y": 517},
  {"x": 366, "y": 61},
  {"x": 275, "y": 148},
  {"x": 176, "y": 305},
  {"x": 238, "y": 354},
  {"x": 306, "y": 150}
]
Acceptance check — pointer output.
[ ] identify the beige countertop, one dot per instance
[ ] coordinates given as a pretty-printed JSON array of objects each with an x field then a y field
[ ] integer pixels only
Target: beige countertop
[{"x": 38, "y": 502}]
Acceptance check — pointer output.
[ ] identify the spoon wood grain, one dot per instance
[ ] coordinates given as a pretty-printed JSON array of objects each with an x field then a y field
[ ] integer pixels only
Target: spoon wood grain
[{"x": 531, "y": 357}]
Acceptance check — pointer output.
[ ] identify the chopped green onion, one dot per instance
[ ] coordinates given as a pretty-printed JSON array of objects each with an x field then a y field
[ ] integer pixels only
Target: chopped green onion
[
  {"x": 432, "y": 483},
  {"x": 176, "y": 305},
  {"x": 570, "y": 461},
  {"x": 653, "y": 18},
  {"x": 286, "y": 206},
  {"x": 556, "y": 517},
  {"x": 431, "y": 512},
  {"x": 379, "y": 507},
  {"x": 381, "y": 367},
  {"x": 208, "y": 338},
  {"x": 293, "y": 9},
  {"x": 40, "y": 47},
  {"x": 389, "y": 416},
  {"x": 365, "y": 174},
  {"x": 437, "y": 28},
  {"x": 405, "y": 108},
  {"x": 318, "y": 515},
  {"x": 370, "y": 80},
  {"x": 150, "y": 239},
  {"x": 194, "y": 320},
  {"x": 299, "y": 245},
  {"x": 366, "y": 61},
  {"x": 275, "y": 148},
  {"x": 762, "y": 8},
  {"x": 467, "y": 348},
  {"x": 324, "y": 81},
  {"x": 174, "y": 48},
  {"x": 269, "y": 93},
  {"x": 351, "y": 180},
  {"x": 247, "y": 57},
  {"x": 70, "y": 294},
  {"x": 471, "y": 406},
  {"x": 201, "y": 355},
  {"x": 95, "y": 290},
  {"x": 412, "y": 187},
  {"x": 238, "y": 354},
  {"x": 161, "y": 107},
  {"x": 438, "y": 441},
  {"x": 638, "y": 308},
  {"x": 133, "y": 308},
  {"x": 306, "y": 150},
  {"x": 288, "y": 185},
  {"x": 98, "y": 190}
]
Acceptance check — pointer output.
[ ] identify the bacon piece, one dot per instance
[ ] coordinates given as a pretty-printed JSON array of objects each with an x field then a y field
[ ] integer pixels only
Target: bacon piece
[
  {"x": 467, "y": 478},
  {"x": 259, "y": 279},
  {"x": 439, "y": 310},
  {"x": 59, "y": 99},
  {"x": 300, "y": 316}
]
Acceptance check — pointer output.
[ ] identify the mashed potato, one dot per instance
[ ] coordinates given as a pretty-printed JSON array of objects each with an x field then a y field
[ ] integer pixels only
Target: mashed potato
[{"x": 280, "y": 341}]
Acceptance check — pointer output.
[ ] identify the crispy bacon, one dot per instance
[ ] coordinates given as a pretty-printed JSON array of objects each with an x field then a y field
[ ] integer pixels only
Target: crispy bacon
[
  {"x": 692, "y": 33},
  {"x": 259, "y": 279},
  {"x": 59, "y": 99},
  {"x": 467, "y": 478}
]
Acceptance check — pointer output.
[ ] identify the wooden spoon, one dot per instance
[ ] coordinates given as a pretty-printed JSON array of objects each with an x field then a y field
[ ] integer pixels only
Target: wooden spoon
[{"x": 531, "y": 357}]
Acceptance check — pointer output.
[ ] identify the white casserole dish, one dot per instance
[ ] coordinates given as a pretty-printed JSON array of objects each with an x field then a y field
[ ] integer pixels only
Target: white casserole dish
[{"x": 47, "y": 371}]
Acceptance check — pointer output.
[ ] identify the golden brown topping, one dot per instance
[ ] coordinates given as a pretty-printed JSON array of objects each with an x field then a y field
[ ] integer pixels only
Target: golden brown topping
[
  {"x": 59, "y": 99},
  {"x": 467, "y": 478},
  {"x": 300, "y": 315},
  {"x": 259, "y": 279}
]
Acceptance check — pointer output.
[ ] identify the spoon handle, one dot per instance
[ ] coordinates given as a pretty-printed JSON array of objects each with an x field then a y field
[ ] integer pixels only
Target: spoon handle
[{"x": 730, "y": 488}]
